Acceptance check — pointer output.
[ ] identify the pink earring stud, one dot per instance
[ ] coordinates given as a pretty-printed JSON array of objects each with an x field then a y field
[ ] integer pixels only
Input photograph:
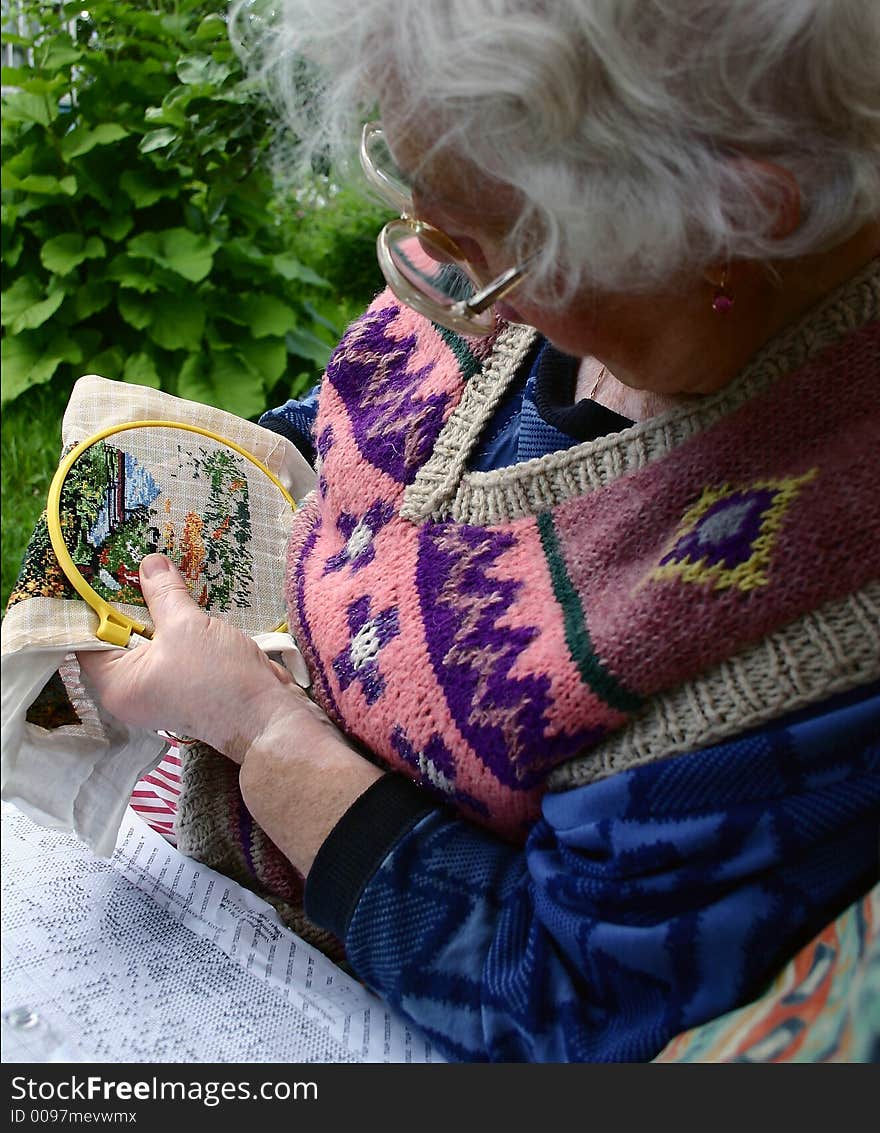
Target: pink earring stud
[{"x": 722, "y": 300}]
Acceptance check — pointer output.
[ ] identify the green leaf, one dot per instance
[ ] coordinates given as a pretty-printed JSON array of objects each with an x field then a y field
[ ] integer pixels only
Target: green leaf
[
  {"x": 94, "y": 295},
  {"x": 146, "y": 246},
  {"x": 12, "y": 248},
  {"x": 137, "y": 311},
  {"x": 20, "y": 358},
  {"x": 14, "y": 76},
  {"x": 188, "y": 253},
  {"x": 144, "y": 189},
  {"x": 62, "y": 254},
  {"x": 83, "y": 139},
  {"x": 173, "y": 110},
  {"x": 140, "y": 369},
  {"x": 150, "y": 24},
  {"x": 20, "y": 164},
  {"x": 266, "y": 358},
  {"x": 108, "y": 364},
  {"x": 165, "y": 115},
  {"x": 213, "y": 26},
  {"x": 178, "y": 323},
  {"x": 322, "y": 320},
  {"x": 29, "y": 359},
  {"x": 290, "y": 268},
  {"x": 174, "y": 23},
  {"x": 52, "y": 87},
  {"x": 25, "y": 306},
  {"x": 44, "y": 184},
  {"x": 243, "y": 252},
  {"x": 308, "y": 345},
  {"x": 157, "y": 139},
  {"x": 27, "y": 205},
  {"x": 194, "y": 382},
  {"x": 265, "y": 315},
  {"x": 98, "y": 185},
  {"x": 117, "y": 227},
  {"x": 59, "y": 53},
  {"x": 127, "y": 272},
  {"x": 234, "y": 393},
  {"x": 178, "y": 249},
  {"x": 222, "y": 380},
  {"x": 22, "y": 106},
  {"x": 202, "y": 70}
]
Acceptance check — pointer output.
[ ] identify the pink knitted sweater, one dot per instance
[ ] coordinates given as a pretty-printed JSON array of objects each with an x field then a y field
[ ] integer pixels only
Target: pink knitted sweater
[{"x": 596, "y": 608}]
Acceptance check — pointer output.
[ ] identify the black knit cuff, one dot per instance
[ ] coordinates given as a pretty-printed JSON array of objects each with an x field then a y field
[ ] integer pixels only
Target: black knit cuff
[{"x": 357, "y": 846}]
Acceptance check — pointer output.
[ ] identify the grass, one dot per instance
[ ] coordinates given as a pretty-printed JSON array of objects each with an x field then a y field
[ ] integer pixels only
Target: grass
[{"x": 31, "y": 448}]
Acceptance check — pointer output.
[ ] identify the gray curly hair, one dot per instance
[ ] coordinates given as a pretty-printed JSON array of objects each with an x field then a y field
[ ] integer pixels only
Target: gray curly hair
[{"x": 618, "y": 122}]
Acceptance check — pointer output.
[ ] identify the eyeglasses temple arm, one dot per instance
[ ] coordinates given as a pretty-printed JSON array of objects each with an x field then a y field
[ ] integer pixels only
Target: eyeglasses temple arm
[{"x": 497, "y": 289}]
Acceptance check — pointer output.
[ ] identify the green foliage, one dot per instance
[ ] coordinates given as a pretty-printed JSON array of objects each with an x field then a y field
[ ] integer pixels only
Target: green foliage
[
  {"x": 31, "y": 448},
  {"x": 141, "y": 234}
]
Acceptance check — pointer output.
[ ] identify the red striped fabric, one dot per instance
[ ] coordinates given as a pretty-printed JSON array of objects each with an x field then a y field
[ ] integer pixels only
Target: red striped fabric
[{"x": 155, "y": 796}]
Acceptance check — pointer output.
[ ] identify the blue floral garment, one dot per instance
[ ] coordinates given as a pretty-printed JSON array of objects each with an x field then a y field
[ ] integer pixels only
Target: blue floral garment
[
  {"x": 295, "y": 419},
  {"x": 642, "y": 905}
]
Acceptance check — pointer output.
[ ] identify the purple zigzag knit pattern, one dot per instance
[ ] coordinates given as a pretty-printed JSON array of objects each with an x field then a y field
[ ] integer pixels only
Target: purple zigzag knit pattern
[
  {"x": 436, "y": 768},
  {"x": 503, "y": 718},
  {"x": 394, "y": 426}
]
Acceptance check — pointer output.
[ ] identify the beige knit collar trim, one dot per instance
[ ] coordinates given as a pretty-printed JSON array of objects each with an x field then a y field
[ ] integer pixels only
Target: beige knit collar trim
[{"x": 445, "y": 489}]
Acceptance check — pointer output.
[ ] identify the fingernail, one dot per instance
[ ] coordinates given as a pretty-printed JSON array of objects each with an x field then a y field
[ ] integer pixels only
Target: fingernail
[{"x": 154, "y": 565}]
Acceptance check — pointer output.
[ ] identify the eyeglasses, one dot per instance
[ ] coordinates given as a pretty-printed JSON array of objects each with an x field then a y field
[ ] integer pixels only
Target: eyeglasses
[{"x": 423, "y": 266}]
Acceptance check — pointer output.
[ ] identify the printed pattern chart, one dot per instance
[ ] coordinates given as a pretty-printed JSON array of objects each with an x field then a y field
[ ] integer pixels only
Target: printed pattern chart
[{"x": 150, "y": 957}]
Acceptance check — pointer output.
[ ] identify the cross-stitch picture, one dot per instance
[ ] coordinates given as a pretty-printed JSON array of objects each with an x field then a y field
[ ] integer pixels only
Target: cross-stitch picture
[{"x": 114, "y": 513}]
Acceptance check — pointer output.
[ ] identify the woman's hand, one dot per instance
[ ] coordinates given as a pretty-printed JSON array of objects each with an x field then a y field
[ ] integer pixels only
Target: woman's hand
[
  {"x": 197, "y": 677},
  {"x": 202, "y": 678}
]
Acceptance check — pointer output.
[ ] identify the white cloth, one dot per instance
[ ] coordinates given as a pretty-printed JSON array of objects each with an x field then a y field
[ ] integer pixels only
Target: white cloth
[
  {"x": 79, "y": 778},
  {"x": 76, "y": 778}
]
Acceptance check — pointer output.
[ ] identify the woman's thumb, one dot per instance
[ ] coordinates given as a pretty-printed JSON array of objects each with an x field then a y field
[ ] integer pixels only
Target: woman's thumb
[{"x": 164, "y": 590}]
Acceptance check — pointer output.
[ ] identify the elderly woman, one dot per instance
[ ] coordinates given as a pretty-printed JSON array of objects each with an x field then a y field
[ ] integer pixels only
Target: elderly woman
[{"x": 588, "y": 585}]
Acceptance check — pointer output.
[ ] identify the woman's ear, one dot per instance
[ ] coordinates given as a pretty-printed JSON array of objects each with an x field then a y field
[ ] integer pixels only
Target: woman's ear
[{"x": 777, "y": 189}]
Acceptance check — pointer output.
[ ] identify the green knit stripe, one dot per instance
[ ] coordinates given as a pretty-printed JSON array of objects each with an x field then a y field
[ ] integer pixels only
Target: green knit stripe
[
  {"x": 467, "y": 362},
  {"x": 577, "y": 636}
]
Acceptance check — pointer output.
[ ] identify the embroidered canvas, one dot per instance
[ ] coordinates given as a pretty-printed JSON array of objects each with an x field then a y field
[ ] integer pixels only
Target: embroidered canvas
[{"x": 204, "y": 504}]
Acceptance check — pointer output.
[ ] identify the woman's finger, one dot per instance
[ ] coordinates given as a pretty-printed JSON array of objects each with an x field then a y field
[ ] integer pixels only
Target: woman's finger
[
  {"x": 164, "y": 591},
  {"x": 282, "y": 673},
  {"x": 97, "y": 663}
]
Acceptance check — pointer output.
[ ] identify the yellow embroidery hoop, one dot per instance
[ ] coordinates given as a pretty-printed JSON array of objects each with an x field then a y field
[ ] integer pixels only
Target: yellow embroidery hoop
[{"x": 114, "y": 627}]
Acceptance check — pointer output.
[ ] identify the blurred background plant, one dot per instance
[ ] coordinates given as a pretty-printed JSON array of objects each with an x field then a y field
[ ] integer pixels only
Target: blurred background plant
[{"x": 143, "y": 237}]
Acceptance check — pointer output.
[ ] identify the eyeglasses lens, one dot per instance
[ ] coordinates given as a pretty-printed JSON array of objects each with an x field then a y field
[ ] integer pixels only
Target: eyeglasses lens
[
  {"x": 418, "y": 258},
  {"x": 428, "y": 266}
]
